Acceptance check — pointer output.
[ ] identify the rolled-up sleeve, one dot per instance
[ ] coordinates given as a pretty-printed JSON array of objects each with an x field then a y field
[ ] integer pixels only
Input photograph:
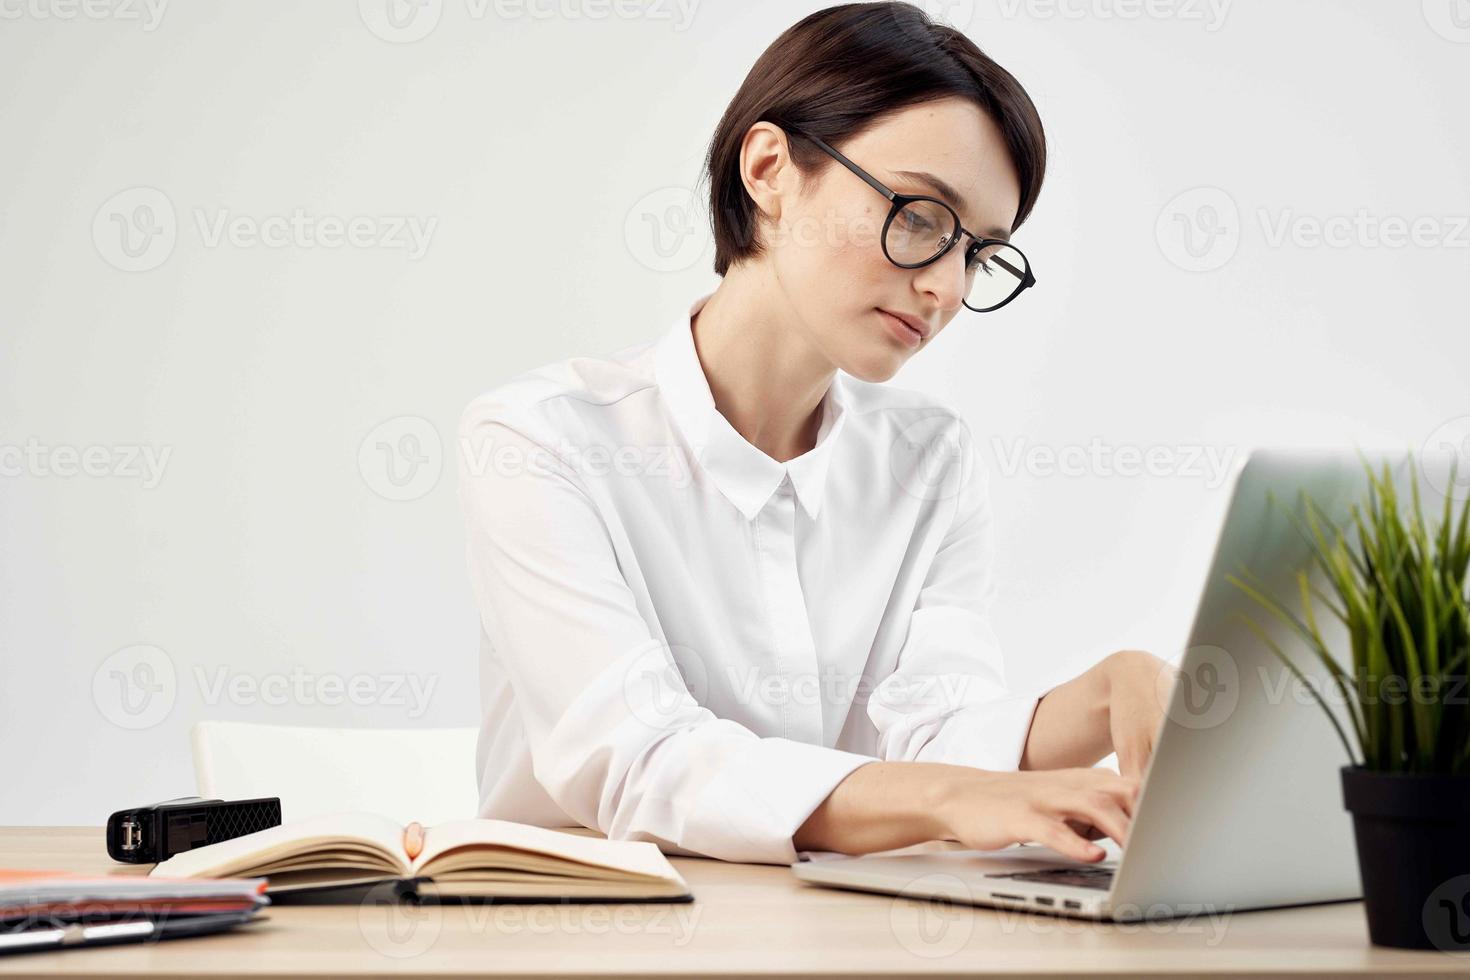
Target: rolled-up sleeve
[
  {"x": 615, "y": 736},
  {"x": 947, "y": 700}
]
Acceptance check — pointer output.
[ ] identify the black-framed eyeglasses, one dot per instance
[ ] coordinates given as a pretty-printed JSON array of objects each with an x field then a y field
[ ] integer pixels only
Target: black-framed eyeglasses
[{"x": 920, "y": 230}]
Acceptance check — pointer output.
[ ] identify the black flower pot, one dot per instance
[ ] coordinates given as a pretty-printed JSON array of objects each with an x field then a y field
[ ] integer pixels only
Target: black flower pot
[{"x": 1413, "y": 836}]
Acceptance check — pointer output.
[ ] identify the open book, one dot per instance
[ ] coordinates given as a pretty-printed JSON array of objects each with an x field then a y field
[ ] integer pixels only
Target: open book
[{"x": 463, "y": 858}]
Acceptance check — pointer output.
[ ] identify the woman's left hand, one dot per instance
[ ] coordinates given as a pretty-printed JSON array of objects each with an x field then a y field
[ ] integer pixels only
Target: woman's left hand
[{"x": 1139, "y": 685}]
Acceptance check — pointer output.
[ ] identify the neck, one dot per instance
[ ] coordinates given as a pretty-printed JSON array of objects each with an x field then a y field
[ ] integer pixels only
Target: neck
[{"x": 767, "y": 379}]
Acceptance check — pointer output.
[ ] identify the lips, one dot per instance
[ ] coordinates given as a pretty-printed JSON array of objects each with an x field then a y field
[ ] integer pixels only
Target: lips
[
  {"x": 907, "y": 325},
  {"x": 915, "y": 324}
]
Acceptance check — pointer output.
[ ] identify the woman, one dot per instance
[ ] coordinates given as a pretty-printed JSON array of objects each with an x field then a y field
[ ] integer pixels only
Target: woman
[{"x": 735, "y": 602}]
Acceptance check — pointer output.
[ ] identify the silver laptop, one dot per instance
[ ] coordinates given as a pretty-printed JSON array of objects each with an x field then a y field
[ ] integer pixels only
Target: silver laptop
[{"x": 1241, "y": 805}]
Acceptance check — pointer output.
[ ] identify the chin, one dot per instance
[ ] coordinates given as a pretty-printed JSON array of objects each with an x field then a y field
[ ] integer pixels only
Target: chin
[{"x": 874, "y": 368}]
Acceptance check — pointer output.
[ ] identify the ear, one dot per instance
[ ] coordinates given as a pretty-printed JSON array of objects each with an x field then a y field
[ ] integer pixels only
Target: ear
[{"x": 766, "y": 169}]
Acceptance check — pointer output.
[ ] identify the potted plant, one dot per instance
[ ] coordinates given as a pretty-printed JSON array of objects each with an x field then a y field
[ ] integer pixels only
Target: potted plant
[{"x": 1398, "y": 585}]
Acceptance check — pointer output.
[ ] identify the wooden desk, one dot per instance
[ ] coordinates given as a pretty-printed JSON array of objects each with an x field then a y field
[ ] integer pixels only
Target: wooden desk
[{"x": 746, "y": 920}]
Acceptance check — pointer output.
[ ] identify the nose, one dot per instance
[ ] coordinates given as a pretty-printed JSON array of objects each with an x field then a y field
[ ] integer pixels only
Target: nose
[{"x": 945, "y": 279}]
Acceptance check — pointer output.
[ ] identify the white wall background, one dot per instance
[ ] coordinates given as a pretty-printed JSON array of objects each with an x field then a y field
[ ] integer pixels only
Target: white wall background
[{"x": 531, "y": 152}]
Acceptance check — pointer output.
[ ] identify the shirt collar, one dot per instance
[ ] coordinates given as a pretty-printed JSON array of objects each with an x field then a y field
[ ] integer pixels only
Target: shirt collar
[{"x": 744, "y": 474}]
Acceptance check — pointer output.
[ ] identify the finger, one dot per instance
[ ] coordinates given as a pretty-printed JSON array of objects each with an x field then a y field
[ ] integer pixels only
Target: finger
[
  {"x": 413, "y": 840},
  {"x": 1085, "y": 829},
  {"x": 1056, "y": 835},
  {"x": 1124, "y": 789},
  {"x": 1102, "y": 813}
]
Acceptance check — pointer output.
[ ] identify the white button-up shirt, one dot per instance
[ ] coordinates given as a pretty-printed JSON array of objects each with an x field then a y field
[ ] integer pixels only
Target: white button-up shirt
[{"x": 687, "y": 642}]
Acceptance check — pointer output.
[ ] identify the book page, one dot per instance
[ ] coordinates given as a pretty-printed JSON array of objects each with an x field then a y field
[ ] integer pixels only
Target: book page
[
  {"x": 376, "y": 837},
  {"x": 632, "y": 857}
]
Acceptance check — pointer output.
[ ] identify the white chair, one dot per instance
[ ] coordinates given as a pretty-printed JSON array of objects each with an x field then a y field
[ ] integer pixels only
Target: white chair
[{"x": 423, "y": 774}]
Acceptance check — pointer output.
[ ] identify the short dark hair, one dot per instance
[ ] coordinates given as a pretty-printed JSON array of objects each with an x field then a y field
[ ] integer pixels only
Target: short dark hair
[{"x": 838, "y": 71}]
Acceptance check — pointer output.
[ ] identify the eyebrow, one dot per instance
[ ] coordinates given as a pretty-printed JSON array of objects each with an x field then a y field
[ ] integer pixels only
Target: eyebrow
[{"x": 942, "y": 187}]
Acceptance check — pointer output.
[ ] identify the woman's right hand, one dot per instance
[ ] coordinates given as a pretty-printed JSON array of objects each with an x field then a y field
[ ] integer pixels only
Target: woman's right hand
[{"x": 1061, "y": 808}]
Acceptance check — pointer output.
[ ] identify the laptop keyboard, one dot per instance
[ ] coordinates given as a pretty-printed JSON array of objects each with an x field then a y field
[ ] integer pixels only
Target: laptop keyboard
[{"x": 1081, "y": 877}]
